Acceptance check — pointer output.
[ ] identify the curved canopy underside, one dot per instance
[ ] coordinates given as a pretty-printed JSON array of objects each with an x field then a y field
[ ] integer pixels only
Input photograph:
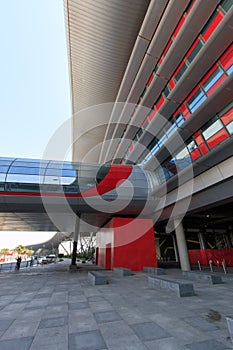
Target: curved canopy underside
[{"x": 100, "y": 37}]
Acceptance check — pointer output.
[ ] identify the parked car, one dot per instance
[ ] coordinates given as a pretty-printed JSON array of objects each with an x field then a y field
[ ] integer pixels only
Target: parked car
[{"x": 42, "y": 260}]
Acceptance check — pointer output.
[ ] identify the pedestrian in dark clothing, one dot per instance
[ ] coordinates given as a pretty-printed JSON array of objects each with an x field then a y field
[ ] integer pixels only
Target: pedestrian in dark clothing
[{"x": 18, "y": 262}]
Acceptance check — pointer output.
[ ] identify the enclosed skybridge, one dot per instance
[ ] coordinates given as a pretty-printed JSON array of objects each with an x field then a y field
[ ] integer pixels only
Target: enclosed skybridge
[{"x": 28, "y": 185}]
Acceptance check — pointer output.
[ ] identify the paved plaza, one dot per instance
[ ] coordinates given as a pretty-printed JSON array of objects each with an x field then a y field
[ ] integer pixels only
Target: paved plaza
[{"x": 51, "y": 308}]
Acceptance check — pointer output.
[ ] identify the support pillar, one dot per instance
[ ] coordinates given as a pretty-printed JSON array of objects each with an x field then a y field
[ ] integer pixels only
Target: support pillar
[
  {"x": 158, "y": 250},
  {"x": 175, "y": 248},
  {"x": 75, "y": 242},
  {"x": 182, "y": 246},
  {"x": 201, "y": 240}
]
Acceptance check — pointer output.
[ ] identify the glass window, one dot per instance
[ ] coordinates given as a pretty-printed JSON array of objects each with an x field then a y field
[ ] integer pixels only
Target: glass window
[
  {"x": 227, "y": 114},
  {"x": 226, "y": 5},
  {"x": 212, "y": 129},
  {"x": 182, "y": 154},
  {"x": 145, "y": 123},
  {"x": 23, "y": 178},
  {"x": 227, "y": 60},
  {"x": 189, "y": 6},
  {"x": 180, "y": 72},
  {"x": 196, "y": 100},
  {"x": 194, "y": 51},
  {"x": 171, "y": 130},
  {"x": 155, "y": 149},
  {"x": 24, "y": 170},
  {"x": 179, "y": 119},
  {"x": 230, "y": 128},
  {"x": 166, "y": 91},
  {"x": 3, "y": 169},
  {"x": 212, "y": 24},
  {"x": 217, "y": 138},
  {"x": 213, "y": 78},
  {"x": 4, "y": 161},
  {"x": 150, "y": 79},
  {"x": 179, "y": 25},
  {"x": 140, "y": 132},
  {"x": 2, "y": 177}
]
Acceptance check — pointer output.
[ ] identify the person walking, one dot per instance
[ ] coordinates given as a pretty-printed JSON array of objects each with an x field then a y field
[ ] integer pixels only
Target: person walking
[{"x": 18, "y": 262}]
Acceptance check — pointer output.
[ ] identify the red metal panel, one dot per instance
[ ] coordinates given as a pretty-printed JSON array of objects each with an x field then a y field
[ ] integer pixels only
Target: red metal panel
[
  {"x": 132, "y": 244},
  {"x": 213, "y": 25},
  {"x": 203, "y": 148},
  {"x": 153, "y": 113},
  {"x": 179, "y": 25},
  {"x": 217, "y": 138},
  {"x": 150, "y": 79},
  {"x": 228, "y": 116},
  {"x": 227, "y": 58},
  {"x": 195, "y": 154},
  {"x": 192, "y": 47},
  {"x": 116, "y": 175},
  {"x": 216, "y": 85},
  {"x": 185, "y": 111},
  {"x": 171, "y": 84},
  {"x": 160, "y": 102}
]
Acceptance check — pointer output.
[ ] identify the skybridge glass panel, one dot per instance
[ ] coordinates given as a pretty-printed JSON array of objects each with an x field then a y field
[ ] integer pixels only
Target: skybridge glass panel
[{"x": 3, "y": 169}]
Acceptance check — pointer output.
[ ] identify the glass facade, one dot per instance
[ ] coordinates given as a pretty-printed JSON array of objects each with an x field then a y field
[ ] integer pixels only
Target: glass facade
[
  {"x": 215, "y": 131},
  {"x": 51, "y": 176},
  {"x": 205, "y": 88}
]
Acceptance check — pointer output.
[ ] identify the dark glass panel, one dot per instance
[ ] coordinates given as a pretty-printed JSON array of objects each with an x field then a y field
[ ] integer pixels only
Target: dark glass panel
[{"x": 226, "y": 5}]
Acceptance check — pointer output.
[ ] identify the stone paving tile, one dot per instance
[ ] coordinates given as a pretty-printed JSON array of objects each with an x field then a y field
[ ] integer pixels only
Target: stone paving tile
[
  {"x": 57, "y": 310},
  {"x": 166, "y": 344},
  {"x": 86, "y": 341},
  {"x": 21, "y": 328},
  {"x": 81, "y": 320},
  {"x": 107, "y": 316},
  {"x": 53, "y": 322},
  {"x": 119, "y": 336},
  {"x": 51, "y": 336},
  {"x": 78, "y": 305},
  {"x": 100, "y": 306},
  {"x": 207, "y": 345},
  {"x": 201, "y": 323},
  {"x": 16, "y": 344},
  {"x": 95, "y": 298},
  {"x": 149, "y": 331},
  {"x": 55, "y": 300}
]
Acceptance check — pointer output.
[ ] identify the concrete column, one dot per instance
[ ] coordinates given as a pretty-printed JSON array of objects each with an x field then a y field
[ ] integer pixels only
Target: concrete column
[
  {"x": 175, "y": 248},
  {"x": 182, "y": 246},
  {"x": 158, "y": 251},
  {"x": 75, "y": 242}
]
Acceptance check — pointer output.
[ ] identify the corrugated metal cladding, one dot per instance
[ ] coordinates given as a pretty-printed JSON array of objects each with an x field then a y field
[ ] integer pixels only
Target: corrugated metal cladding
[{"x": 100, "y": 36}]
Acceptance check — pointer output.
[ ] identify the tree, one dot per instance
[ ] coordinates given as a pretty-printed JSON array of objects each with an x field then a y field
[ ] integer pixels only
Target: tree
[
  {"x": 20, "y": 249},
  {"x": 4, "y": 251}
]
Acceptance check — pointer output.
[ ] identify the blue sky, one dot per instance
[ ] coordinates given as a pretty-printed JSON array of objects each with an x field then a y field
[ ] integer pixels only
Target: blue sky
[
  {"x": 34, "y": 79},
  {"x": 34, "y": 84}
]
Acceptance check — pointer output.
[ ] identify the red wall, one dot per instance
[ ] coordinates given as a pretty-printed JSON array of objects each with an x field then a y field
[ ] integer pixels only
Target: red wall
[
  {"x": 216, "y": 255},
  {"x": 127, "y": 242}
]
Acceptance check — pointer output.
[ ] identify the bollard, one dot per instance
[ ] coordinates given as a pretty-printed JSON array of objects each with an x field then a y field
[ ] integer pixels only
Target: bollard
[
  {"x": 230, "y": 327},
  {"x": 199, "y": 265},
  {"x": 224, "y": 266},
  {"x": 211, "y": 266}
]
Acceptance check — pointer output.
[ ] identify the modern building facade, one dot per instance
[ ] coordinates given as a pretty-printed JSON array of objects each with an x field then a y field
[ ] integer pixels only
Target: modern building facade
[{"x": 151, "y": 84}]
